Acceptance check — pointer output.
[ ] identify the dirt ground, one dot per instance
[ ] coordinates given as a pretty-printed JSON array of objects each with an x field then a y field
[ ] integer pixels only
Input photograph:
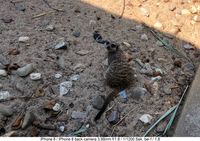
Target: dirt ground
[{"x": 85, "y": 57}]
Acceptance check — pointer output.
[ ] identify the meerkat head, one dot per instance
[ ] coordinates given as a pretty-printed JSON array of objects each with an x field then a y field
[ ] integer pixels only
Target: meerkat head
[{"x": 112, "y": 47}]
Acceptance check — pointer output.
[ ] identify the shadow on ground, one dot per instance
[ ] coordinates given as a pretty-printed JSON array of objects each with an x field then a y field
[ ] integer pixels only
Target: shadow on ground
[{"x": 90, "y": 65}]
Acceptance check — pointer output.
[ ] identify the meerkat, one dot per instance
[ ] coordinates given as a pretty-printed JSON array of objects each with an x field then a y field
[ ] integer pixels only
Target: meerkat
[{"x": 119, "y": 74}]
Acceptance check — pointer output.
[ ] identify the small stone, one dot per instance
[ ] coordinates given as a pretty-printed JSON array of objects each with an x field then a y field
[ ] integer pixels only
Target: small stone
[
  {"x": 3, "y": 73},
  {"x": 159, "y": 43},
  {"x": 4, "y": 61},
  {"x": 28, "y": 119},
  {"x": 82, "y": 52},
  {"x": 97, "y": 102},
  {"x": 139, "y": 27},
  {"x": 62, "y": 62},
  {"x": 167, "y": 89},
  {"x": 58, "y": 75},
  {"x": 50, "y": 27},
  {"x": 189, "y": 66},
  {"x": 188, "y": 46},
  {"x": 20, "y": 7},
  {"x": 105, "y": 62},
  {"x": 65, "y": 87},
  {"x": 144, "y": 37},
  {"x": 139, "y": 93},
  {"x": 193, "y": 9},
  {"x": 146, "y": 118},
  {"x": 79, "y": 67},
  {"x": 157, "y": 78},
  {"x": 76, "y": 34},
  {"x": 62, "y": 128},
  {"x": 24, "y": 71},
  {"x": 23, "y": 39},
  {"x": 4, "y": 95},
  {"x": 75, "y": 77},
  {"x": 7, "y": 19},
  {"x": 185, "y": 12},
  {"x": 78, "y": 115},
  {"x": 35, "y": 76},
  {"x": 113, "y": 118},
  {"x": 174, "y": 30},
  {"x": 123, "y": 95},
  {"x": 158, "y": 25},
  {"x": 172, "y": 7},
  {"x": 6, "y": 111},
  {"x": 127, "y": 44},
  {"x": 56, "y": 107},
  {"x": 144, "y": 11},
  {"x": 87, "y": 126},
  {"x": 61, "y": 44},
  {"x": 196, "y": 18},
  {"x": 92, "y": 22}
]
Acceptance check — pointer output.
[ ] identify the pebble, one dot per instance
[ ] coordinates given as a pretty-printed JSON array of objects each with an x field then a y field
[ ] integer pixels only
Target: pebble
[
  {"x": 144, "y": 11},
  {"x": 28, "y": 119},
  {"x": 76, "y": 34},
  {"x": 139, "y": 27},
  {"x": 50, "y": 27},
  {"x": 196, "y": 18},
  {"x": 105, "y": 62},
  {"x": 92, "y": 22},
  {"x": 138, "y": 93},
  {"x": 58, "y": 75},
  {"x": 20, "y": 7},
  {"x": 188, "y": 46},
  {"x": 23, "y": 39},
  {"x": 174, "y": 30},
  {"x": 82, "y": 52},
  {"x": 62, "y": 128},
  {"x": 3, "y": 73},
  {"x": 167, "y": 89},
  {"x": 6, "y": 111},
  {"x": 193, "y": 9},
  {"x": 79, "y": 67},
  {"x": 123, "y": 95},
  {"x": 159, "y": 43},
  {"x": 146, "y": 118},
  {"x": 78, "y": 115},
  {"x": 97, "y": 102},
  {"x": 4, "y": 95},
  {"x": 157, "y": 78},
  {"x": 127, "y": 44},
  {"x": 24, "y": 71},
  {"x": 61, "y": 44},
  {"x": 7, "y": 19},
  {"x": 3, "y": 60},
  {"x": 35, "y": 76},
  {"x": 185, "y": 12},
  {"x": 144, "y": 37},
  {"x": 62, "y": 62},
  {"x": 158, "y": 25},
  {"x": 56, "y": 107},
  {"x": 65, "y": 87},
  {"x": 189, "y": 66},
  {"x": 113, "y": 118},
  {"x": 172, "y": 7},
  {"x": 75, "y": 77}
]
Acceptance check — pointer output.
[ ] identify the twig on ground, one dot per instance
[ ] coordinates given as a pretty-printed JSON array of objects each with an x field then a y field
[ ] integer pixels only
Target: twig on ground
[
  {"x": 121, "y": 120},
  {"x": 42, "y": 14},
  {"x": 124, "y": 1}
]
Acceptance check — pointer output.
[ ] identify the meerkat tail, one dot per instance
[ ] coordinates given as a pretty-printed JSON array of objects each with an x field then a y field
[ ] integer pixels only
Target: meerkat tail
[{"x": 108, "y": 99}]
